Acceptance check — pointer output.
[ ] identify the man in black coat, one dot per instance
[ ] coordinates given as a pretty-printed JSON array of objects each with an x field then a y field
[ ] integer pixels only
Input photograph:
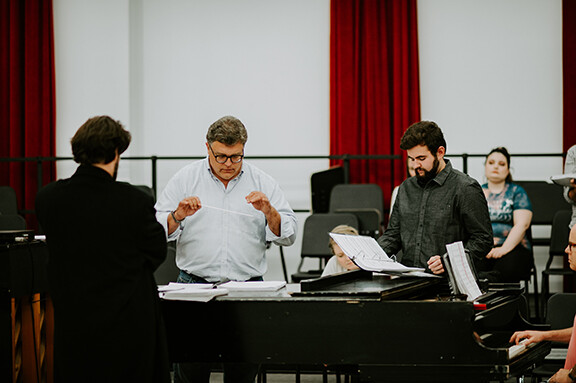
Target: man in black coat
[{"x": 104, "y": 244}]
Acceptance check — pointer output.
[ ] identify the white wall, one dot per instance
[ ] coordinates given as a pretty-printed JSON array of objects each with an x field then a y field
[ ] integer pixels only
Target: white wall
[{"x": 490, "y": 75}]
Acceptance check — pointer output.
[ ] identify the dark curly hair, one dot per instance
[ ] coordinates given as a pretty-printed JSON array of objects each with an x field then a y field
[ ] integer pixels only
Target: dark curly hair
[
  {"x": 98, "y": 139},
  {"x": 423, "y": 133}
]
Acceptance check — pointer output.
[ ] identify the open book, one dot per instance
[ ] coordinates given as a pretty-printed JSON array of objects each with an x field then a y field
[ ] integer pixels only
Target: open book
[
  {"x": 367, "y": 254},
  {"x": 563, "y": 179},
  {"x": 459, "y": 270}
]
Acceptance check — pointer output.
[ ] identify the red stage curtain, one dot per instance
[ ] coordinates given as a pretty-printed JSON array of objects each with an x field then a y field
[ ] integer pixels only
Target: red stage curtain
[
  {"x": 569, "y": 72},
  {"x": 27, "y": 95},
  {"x": 374, "y": 85}
]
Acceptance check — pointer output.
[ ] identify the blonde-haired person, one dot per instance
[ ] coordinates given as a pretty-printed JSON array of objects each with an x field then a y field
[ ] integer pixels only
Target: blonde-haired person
[{"x": 339, "y": 262}]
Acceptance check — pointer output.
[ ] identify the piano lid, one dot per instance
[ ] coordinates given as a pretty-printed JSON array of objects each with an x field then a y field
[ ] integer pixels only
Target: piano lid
[{"x": 365, "y": 284}]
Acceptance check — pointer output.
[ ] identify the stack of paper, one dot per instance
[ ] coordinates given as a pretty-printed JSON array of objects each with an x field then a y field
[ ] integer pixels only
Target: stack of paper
[
  {"x": 254, "y": 285},
  {"x": 198, "y": 292}
]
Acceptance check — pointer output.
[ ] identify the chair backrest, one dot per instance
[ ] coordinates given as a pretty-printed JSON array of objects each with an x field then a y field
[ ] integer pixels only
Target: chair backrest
[
  {"x": 8, "y": 201},
  {"x": 12, "y": 222},
  {"x": 321, "y": 184},
  {"x": 546, "y": 200},
  {"x": 561, "y": 310},
  {"x": 559, "y": 232},
  {"x": 369, "y": 220},
  {"x": 315, "y": 238},
  {"x": 168, "y": 271},
  {"x": 354, "y": 196}
]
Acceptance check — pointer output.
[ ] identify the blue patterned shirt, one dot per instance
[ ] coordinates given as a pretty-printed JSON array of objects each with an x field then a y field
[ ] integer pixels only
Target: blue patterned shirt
[{"x": 501, "y": 207}]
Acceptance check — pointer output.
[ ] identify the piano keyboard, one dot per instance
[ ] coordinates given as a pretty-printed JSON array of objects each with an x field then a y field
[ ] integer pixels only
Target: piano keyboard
[{"x": 517, "y": 349}]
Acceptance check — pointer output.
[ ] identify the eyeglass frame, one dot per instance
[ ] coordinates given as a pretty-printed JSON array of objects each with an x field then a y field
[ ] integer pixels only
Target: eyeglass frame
[
  {"x": 571, "y": 245},
  {"x": 227, "y": 157}
]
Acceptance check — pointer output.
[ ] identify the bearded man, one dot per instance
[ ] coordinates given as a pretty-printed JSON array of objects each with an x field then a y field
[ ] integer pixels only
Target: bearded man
[{"x": 438, "y": 206}]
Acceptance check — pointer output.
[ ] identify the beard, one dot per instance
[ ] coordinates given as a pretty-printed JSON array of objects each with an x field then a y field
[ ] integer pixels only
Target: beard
[{"x": 428, "y": 174}]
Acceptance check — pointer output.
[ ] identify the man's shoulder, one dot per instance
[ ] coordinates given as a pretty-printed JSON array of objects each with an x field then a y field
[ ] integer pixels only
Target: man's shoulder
[
  {"x": 460, "y": 178},
  {"x": 257, "y": 173},
  {"x": 133, "y": 193}
]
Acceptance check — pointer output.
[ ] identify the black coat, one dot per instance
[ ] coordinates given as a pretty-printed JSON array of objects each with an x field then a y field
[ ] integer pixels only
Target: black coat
[{"x": 104, "y": 244}]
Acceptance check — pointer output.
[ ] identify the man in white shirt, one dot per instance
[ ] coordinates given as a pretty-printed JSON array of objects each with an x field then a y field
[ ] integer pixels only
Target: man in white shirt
[{"x": 223, "y": 211}]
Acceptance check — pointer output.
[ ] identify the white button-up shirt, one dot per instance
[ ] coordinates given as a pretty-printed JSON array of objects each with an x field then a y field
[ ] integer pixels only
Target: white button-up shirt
[{"x": 227, "y": 237}]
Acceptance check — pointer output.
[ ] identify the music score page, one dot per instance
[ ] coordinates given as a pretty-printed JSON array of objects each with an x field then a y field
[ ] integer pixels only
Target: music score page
[{"x": 368, "y": 255}]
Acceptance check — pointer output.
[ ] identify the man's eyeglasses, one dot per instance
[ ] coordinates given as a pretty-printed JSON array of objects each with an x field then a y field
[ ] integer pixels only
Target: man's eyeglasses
[
  {"x": 221, "y": 158},
  {"x": 571, "y": 245}
]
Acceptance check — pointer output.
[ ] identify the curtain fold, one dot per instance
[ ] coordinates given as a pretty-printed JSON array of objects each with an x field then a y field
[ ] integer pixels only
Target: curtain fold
[
  {"x": 27, "y": 96},
  {"x": 569, "y": 72},
  {"x": 374, "y": 85}
]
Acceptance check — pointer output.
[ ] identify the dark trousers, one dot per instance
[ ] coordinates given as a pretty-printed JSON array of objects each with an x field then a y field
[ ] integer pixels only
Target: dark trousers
[{"x": 200, "y": 372}]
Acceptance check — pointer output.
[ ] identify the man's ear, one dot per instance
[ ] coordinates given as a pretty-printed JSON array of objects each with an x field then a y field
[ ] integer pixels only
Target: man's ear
[{"x": 440, "y": 152}]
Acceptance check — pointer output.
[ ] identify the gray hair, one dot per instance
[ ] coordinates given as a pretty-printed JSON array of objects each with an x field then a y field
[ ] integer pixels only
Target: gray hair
[{"x": 227, "y": 130}]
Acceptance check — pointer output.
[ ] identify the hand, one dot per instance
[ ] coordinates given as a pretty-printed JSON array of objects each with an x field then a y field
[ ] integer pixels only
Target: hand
[
  {"x": 529, "y": 335},
  {"x": 561, "y": 377},
  {"x": 496, "y": 253},
  {"x": 187, "y": 207},
  {"x": 260, "y": 202},
  {"x": 435, "y": 264}
]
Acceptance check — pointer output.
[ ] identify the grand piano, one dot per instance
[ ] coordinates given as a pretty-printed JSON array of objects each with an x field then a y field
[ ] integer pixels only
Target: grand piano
[{"x": 375, "y": 327}]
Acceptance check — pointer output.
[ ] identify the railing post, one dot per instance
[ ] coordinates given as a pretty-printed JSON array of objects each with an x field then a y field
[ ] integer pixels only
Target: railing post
[
  {"x": 154, "y": 160},
  {"x": 39, "y": 173},
  {"x": 346, "y": 162},
  {"x": 465, "y": 163}
]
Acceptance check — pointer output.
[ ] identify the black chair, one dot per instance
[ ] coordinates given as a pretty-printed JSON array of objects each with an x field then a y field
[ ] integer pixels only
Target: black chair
[
  {"x": 315, "y": 241},
  {"x": 321, "y": 184},
  {"x": 12, "y": 222},
  {"x": 533, "y": 275},
  {"x": 168, "y": 271},
  {"x": 357, "y": 198},
  {"x": 8, "y": 201},
  {"x": 561, "y": 309},
  {"x": 546, "y": 200},
  {"x": 558, "y": 242},
  {"x": 369, "y": 220}
]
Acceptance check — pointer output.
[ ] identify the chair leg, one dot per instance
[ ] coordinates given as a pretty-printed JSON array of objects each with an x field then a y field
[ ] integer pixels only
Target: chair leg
[
  {"x": 283, "y": 260},
  {"x": 545, "y": 292},
  {"x": 536, "y": 297}
]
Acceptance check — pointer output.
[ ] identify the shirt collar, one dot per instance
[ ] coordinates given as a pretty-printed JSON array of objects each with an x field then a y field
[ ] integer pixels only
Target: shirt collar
[
  {"x": 93, "y": 171},
  {"x": 443, "y": 175},
  {"x": 235, "y": 179}
]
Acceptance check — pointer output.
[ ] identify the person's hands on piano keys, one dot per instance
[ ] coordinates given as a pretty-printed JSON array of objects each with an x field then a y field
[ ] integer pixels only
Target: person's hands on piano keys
[{"x": 527, "y": 337}]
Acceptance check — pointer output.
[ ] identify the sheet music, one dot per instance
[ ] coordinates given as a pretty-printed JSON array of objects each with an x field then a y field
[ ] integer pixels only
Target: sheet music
[
  {"x": 462, "y": 271},
  {"x": 368, "y": 255},
  {"x": 254, "y": 285},
  {"x": 198, "y": 292},
  {"x": 563, "y": 179}
]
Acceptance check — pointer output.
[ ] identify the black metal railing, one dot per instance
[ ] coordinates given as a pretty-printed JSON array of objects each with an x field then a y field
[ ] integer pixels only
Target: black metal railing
[{"x": 345, "y": 158}]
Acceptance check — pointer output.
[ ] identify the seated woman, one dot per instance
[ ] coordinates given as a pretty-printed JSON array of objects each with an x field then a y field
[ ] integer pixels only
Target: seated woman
[
  {"x": 339, "y": 262},
  {"x": 511, "y": 213}
]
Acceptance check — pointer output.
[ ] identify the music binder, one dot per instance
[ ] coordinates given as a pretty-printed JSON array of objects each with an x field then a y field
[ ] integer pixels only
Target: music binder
[
  {"x": 459, "y": 269},
  {"x": 367, "y": 254}
]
